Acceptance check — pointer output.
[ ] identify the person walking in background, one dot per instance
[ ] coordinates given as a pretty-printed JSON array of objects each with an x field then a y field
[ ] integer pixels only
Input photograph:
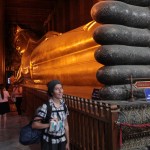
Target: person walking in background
[
  {"x": 17, "y": 97},
  {"x": 4, "y": 106},
  {"x": 56, "y": 133}
]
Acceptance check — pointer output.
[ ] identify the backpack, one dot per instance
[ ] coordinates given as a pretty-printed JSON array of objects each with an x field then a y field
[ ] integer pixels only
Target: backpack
[{"x": 28, "y": 135}]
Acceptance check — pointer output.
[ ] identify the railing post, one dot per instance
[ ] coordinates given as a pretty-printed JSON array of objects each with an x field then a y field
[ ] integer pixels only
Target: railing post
[{"x": 114, "y": 129}]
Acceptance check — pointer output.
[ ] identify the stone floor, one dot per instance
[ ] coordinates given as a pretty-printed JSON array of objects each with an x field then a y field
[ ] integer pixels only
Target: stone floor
[{"x": 9, "y": 136}]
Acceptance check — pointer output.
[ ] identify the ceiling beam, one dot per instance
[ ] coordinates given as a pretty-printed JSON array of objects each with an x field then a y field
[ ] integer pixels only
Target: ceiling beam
[{"x": 29, "y": 3}]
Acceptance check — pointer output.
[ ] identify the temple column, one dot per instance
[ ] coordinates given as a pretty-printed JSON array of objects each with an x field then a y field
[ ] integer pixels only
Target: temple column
[{"x": 2, "y": 45}]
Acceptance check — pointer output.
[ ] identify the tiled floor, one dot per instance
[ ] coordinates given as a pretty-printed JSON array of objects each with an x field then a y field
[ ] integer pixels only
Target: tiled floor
[{"x": 9, "y": 137}]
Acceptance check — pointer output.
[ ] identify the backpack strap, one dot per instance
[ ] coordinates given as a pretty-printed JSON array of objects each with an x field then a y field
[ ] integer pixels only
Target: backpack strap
[
  {"x": 49, "y": 111},
  {"x": 57, "y": 111},
  {"x": 65, "y": 108}
]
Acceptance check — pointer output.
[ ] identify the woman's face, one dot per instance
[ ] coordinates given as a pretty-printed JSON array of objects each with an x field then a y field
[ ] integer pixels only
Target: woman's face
[{"x": 58, "y": 91}]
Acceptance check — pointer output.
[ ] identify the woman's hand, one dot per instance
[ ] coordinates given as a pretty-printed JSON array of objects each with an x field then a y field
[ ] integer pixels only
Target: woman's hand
[
  {"x": 67, "y": 146},
  {"x": 54, "y": 119}
]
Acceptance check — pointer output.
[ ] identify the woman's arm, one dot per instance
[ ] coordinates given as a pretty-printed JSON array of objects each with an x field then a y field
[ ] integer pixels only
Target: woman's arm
[
  {"x": 67, "y": 134},
  {"x": 39, "y": 124}
]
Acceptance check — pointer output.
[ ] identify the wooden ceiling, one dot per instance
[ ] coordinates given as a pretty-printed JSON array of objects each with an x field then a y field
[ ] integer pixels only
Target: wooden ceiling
[
  {"x": 60, "y": 15},
  {"x": 30, "y": 14}
]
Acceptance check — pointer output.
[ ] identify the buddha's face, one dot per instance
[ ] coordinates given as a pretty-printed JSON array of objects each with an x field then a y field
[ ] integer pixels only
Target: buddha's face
[{"x": 20, "y": 42}]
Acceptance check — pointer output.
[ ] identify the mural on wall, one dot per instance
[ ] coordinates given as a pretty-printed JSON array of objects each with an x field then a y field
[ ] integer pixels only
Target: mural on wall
[{"x": 125, "y": 39}]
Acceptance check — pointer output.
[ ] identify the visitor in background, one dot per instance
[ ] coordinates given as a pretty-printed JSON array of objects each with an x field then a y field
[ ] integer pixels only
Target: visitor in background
[
  {"x": 17, "y": 97},
  {"x": 4, "y": 106}
]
